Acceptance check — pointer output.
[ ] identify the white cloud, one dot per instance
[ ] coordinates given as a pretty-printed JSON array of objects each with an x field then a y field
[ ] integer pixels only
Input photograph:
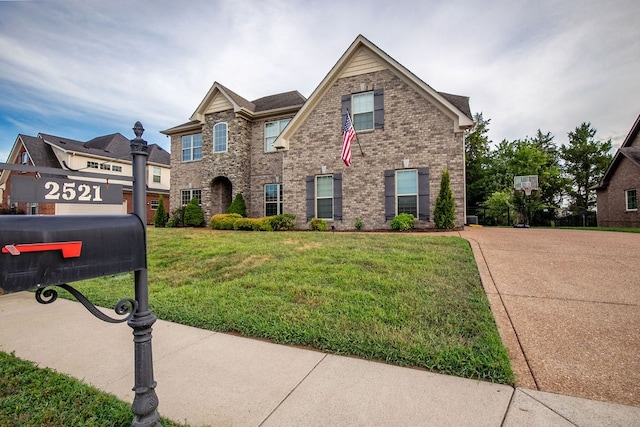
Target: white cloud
[{"x": 526, "y": 65}]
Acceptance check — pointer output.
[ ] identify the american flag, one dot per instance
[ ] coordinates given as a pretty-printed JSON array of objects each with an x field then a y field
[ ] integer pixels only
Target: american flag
[{"x": 348, "y": 133}]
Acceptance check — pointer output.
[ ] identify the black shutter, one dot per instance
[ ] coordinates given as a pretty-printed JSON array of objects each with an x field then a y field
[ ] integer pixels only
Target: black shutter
[
  {"x": 346, "y": 106},
  {"x": 389, "y": 194},
  {"x": 337, "y": 196},
  {"x": 423, "y": 194},
  {"x": 311, "y": 197},
  {"x": 378, "y": 108}
]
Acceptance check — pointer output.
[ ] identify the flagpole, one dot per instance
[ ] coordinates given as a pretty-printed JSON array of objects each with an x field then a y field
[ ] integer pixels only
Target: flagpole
[{"x": 356, "y": 132}]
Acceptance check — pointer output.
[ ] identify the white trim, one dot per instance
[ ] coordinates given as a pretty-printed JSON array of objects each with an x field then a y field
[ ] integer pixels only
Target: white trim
[{"x": 226, "y": 137}]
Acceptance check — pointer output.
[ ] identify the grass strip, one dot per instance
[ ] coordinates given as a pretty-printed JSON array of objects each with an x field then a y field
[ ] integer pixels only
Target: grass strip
[{"x": 30, "y": 396}]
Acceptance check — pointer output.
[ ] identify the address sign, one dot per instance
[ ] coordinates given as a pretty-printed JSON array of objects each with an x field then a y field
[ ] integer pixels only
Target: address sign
[{"x": 56, "y": 190}]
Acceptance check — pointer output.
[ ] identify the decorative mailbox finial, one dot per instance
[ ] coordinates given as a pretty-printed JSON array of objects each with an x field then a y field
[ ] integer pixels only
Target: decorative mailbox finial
[{"x": 138, "y": 129}]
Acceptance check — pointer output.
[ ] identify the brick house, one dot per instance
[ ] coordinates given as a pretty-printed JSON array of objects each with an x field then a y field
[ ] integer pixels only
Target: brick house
[
  {"x": 109, "y": 155},
  {"x": 617, "y": 192},
  {"x": 283, "y": 152}
]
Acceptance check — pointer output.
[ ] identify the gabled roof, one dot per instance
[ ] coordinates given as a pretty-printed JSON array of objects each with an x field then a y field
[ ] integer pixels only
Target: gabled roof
[
  {"x": 40, "y": 154},
  {"x": 627, "y": 150},
  {"x": 113, "y": 146},
  {"x": 455, "y": 106},
  {"x": 282, "y": 101}
]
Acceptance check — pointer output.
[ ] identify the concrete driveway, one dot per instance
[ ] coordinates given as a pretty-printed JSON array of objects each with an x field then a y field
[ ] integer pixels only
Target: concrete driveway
[{"x": 567, "y": 305}]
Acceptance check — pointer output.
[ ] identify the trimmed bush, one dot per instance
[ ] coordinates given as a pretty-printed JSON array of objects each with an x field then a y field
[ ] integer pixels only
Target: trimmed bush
[
  {"x": 283, "y": 222},
  {"x": 160, "y": 217},
  {"x": 177, "y": 218},
  {"x": 318, "y": 224},
  {"x": 238, "y": 206},
  {"x": 252, "y": 224},
  {"x": 444, "y": 213},
  {"x": 193, "y": 214},
  {"x": 403, "y": 222},
  {"x": 224, "y": 221}
]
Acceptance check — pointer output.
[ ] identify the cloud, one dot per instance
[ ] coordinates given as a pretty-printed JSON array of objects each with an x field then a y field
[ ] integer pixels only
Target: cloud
[{"x": 545, "y": 65}]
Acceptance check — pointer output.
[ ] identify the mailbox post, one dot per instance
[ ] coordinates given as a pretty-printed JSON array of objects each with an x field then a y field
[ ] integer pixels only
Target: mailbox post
[{"x": 145, "y": 403}]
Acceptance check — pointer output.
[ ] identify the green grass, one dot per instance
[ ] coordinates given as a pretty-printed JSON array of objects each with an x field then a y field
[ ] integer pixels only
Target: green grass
[
  {"x": 30, "y": 396},
  {"x": 406, "y": 299}
]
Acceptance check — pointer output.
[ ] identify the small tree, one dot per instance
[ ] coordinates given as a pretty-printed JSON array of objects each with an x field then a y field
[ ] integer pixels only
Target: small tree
[
  {"x": 193, "y": 214},
  {"x": 238, "y": 206},
  {"x": 160, "y": 217},
  {"x": 444, "y": 212}
]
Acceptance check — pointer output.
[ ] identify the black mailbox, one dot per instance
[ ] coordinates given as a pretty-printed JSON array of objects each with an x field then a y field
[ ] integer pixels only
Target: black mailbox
[{"x": 38, "y": 251}]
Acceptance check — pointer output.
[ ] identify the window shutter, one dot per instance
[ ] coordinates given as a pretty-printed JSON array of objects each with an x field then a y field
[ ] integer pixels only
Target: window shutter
[
  {"x": 389, "y": 194},
  {"x": 423, "y": 194},
  {"x": 346, "y": 105},
  {"x": 311, "y": 197},
  {"x": 337, "y": 196},
  {"x": 378, "y": 108}
]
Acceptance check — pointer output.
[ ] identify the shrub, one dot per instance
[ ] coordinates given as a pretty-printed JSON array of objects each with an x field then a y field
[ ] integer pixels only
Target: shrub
[
  {"x": 283, "y": 222},
  {"x": 403, "y": 222},
  {"x": 444, "y": 212},
  {"x": 160, "y": 217},
  {"x": 224, "y": 221},
  {"x": 318, "y": 224},
  {"x": 177, "y": 218},
  {"x": 252, "y": 224},
  {"x": 238, "y": 206},
  {"x": 193, "y": 214},
  {"x": 359, "y": 223}
]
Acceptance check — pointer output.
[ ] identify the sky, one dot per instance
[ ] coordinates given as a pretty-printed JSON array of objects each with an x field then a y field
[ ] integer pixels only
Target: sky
[{"x": 87, "y": 68}]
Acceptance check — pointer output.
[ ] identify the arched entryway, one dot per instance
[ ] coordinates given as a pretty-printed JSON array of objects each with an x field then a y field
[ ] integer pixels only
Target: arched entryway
[{"x": 220, "y": 195}]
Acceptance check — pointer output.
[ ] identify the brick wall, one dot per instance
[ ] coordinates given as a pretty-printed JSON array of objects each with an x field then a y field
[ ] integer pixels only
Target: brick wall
[
  {"x": 612, "y": 202},
  {"x": 414, "y": 129}
]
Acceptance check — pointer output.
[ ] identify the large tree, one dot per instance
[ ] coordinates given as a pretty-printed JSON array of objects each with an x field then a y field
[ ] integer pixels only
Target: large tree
[
  {"x": 585, "y": 162},
  {"x": 477, "y": 157}
]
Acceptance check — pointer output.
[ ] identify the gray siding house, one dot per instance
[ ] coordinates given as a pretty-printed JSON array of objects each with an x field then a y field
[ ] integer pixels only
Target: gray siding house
[{"x": 283, "y": 152}]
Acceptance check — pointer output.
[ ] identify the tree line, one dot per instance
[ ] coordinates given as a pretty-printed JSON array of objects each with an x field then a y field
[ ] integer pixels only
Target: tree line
[{"x": 566, "y": 173}]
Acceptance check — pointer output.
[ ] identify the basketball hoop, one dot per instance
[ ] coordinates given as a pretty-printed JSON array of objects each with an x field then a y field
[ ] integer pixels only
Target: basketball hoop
[{"x": 526, "y": 187}]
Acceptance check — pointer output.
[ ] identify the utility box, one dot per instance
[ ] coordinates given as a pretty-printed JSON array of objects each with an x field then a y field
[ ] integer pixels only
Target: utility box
[{"x": 38, "y": 251}]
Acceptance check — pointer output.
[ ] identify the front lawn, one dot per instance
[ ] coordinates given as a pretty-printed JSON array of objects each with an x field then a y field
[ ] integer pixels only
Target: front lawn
[{"x": 407, "y": 299}]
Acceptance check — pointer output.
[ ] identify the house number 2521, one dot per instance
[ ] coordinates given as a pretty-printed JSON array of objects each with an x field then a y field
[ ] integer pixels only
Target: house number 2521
[{"x": 69, "y": 192}]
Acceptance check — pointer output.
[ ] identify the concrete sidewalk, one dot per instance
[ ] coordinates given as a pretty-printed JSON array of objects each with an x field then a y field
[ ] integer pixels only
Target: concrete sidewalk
[{"x": 209, "y": 378}]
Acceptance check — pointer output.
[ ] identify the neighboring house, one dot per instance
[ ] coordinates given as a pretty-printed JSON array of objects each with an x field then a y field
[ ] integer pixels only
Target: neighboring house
[
  {"x": 617, "y": 192},
  {"x": 283, "y": 153},
  {"x": 109, "y": 154}
]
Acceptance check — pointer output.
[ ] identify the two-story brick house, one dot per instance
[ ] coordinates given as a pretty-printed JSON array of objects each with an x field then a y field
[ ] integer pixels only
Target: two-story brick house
[{"x": 283, "y": 153}]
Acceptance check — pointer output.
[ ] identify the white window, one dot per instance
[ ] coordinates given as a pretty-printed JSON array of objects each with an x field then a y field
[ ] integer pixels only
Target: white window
[
  {"x": 187, "y": 195},
  {"x": 154, "y": 205},
  {"x": 192, "y": 147},
  {"x": 220, "y": 138},
  {"x": 631, "y": 197},
  {"x": 273, "y": 199},
  {"x": 116, "y": 168},
  {"x": 157, "y": 174},
  {"x": 105, "y": 166},
  {"x": 271, "y": 132},
  {"x": 362, "y": 104},
  {"x": 324, "y": 197},
  {"x": 25, "y": 158},
  {"x": 407, "y": 192},
  {"x": 92, "y": 165}
]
